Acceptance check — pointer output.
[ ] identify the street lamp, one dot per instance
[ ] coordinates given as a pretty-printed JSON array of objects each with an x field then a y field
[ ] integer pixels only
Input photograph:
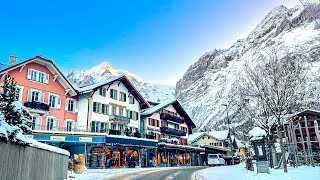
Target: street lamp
[{"x": 231, "y": 146}]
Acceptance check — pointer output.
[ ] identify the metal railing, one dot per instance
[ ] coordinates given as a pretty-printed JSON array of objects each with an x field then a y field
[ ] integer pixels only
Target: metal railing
[
  {"x": 37, "y": 105},
  {"x": 172, "y": 131},
  {"x": 170, "y": 117}
]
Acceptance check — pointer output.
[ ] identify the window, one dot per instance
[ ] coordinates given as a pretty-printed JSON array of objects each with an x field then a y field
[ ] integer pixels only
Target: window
[
  {"x": 54, "y": 101},
  {"x": 35, "y": 96},
  {"x": 102, "y": 92},
  {"x": 113, "y": 94},
  {"x": 130, "y": 116},
  {"x": 113, "y": 110},
  {"x": 120, "y": 111},
  {"x": 176, "y": 126},
  {"x": 123, "y": 97},
  {"x": 19, "y": 92},
  {"x": 34, "y": 122},
  {"x": 113, "y": 126},
  {"x": 131, "y": 100},
  {"x": 127, "y": 113},
  {"x": 38, "y": 76},
  {"x": 71, "y": 105},
  {"x": 94, "y": 126},
  {"x": 52, "y": 124},
  {"x": 96, "y": 107},
  {"x": 103, "y": 127},
  {"x": 69, "y": 126},
  {"x": 105, "y": 109}
]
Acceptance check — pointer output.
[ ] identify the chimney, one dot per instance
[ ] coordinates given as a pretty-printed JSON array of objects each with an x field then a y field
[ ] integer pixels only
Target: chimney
[{"x": 12, "y": 59}]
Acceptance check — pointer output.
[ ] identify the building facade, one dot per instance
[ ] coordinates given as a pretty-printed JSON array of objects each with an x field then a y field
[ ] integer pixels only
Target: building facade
[{"x": 44, "y": 90}]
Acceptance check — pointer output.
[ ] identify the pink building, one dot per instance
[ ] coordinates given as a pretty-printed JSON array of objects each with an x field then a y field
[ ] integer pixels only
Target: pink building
[{"x": 45, "y": 91}]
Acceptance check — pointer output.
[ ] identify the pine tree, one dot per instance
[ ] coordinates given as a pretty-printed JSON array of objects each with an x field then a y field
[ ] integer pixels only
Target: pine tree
[{"x": 14, "y": 113}]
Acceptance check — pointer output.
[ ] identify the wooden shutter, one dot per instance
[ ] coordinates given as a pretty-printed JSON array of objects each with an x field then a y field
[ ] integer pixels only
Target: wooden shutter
[
  {"x": 46, "y": 78},
  {"x": 125, "y": 97},
  {"x": 29, "y": 73},
  {"x": 149, "y": 121},
  {"x": 111, "y": 93},
  {"x": 41, "y": 97},
  {"x": 75, "y": 106},
  {"x": 94, "y": 107},
  {"x": 67, "y": 104},
  {"x": 65, "y": 125},
  {"x": 58, "y": 102},
  {"x": 29, "y": 96}
]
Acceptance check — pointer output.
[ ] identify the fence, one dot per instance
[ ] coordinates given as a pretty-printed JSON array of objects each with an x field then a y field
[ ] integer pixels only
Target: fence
[{"x": 19, "y": 162}]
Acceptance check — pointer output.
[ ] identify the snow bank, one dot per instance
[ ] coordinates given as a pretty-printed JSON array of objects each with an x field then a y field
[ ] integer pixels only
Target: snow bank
[
  {"x": 238, "y": 172},
  {"x": 6, "y": 130},
  {"x": 257, "y": 132}
]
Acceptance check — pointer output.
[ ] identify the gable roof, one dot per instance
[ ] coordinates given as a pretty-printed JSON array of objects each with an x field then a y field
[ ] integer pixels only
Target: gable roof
[
  {"x": 175, "y": 103},
  {"x": 46, "y": 62},
  {"x": 126, "y": 82},
  {"x": 219, "y": 135}
]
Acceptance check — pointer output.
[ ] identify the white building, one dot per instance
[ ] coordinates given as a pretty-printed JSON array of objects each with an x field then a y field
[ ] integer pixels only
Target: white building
[
  {"x": 110, "y": 106},
  {"x": 167, "y": 121}
]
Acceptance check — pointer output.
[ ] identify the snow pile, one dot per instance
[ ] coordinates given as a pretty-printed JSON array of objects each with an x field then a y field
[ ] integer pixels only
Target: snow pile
[
  {"x": 239, "y": 172},
  {"x": 257, "y": 133},
  {"x": 37, "y": 144}
]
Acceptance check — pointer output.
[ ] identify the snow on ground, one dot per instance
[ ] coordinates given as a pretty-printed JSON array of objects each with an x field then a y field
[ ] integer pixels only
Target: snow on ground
[
  {"x": 103, "y": 174},
  {"x": 238, "y": 172}
]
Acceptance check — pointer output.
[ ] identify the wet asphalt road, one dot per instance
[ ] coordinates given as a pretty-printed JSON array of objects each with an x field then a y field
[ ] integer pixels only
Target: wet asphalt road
[{"x": 185, "y": 173}]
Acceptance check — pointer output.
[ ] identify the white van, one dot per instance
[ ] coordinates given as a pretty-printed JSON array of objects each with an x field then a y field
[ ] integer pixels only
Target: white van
[{"x": 215, "y": 159}]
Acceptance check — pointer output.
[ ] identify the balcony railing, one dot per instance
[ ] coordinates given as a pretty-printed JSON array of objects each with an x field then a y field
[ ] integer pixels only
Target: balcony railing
[
  {"x": 172, "y": 131},
  {"x": 114, "y": 132},
  {"x": 170, "y": 117},
  {"x": 120, "y": 119},
  {"x": 150, "y": 136},
  {"x": 37, "y": 105}
]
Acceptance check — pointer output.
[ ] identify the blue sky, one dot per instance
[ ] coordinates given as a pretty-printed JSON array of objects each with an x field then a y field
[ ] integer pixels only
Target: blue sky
[{"x": 157, "y": 40}]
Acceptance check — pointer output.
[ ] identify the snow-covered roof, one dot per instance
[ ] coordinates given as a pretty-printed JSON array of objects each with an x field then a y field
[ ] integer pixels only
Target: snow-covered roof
[
  {"x": 158, "y": 107},
  {"x": 219, "y": 135},
  {"x": 175, "y": 103},
  {"x": 143, "y": 103},
  {"x": 257, "y": 132}
]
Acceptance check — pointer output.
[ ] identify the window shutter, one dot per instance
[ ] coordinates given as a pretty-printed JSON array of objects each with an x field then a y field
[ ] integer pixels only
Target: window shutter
[
  {"x": 149, "y": 121},
  {"x": 46, "y": 78},
  {"x": 29, "y": 73},
  {"x": 29, "y": 96},
  {"x": 65, "y": 125},
  {"x": 58, "y": 102},
  {"x": 41, "y": 97},
  {"x": 125, "y": 98},
  {"x": 75, "y": 106},
  {"x": 56, "y": 124},
  {"x": 67, "y": 104},
  {"x": 111, "y": 93}
]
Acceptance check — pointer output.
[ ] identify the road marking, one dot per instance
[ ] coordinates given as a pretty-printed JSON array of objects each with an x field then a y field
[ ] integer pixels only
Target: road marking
[{"x": 172, "y": 176}]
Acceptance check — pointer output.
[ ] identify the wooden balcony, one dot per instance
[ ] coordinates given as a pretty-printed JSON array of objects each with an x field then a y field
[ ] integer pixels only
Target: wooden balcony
[
  {"x": 37, "y": 105},
  {"x": 172, "y": 131},
  {"x": 170, "y": 117}
]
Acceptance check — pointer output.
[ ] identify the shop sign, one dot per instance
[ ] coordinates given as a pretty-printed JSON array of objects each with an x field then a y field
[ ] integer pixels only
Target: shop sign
[
  {"x": 29, "y": 136},
  {"x": 57, "y": 138},
  {"x": 85, "y": 139}
]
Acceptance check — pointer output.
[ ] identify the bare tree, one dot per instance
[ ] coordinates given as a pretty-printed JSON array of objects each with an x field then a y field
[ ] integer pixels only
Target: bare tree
[{"x": 274, "y": 86}]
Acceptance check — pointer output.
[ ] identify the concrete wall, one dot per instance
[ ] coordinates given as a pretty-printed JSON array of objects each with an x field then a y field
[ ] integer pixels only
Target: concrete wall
[{"x": 25, "y": 162}]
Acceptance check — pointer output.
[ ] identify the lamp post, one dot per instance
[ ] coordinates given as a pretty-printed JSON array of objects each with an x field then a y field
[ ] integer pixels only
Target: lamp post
[{"x": 231, "y": 146}]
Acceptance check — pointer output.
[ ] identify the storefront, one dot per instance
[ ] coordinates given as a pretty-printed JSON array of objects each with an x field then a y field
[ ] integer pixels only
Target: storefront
[
  {"x": 121, "y": 151},
  {"x": 179, "y": 155}
]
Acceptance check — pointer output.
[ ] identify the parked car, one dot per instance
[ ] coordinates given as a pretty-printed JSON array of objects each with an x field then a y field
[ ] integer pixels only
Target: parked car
[{"x": 215, "y": 159}]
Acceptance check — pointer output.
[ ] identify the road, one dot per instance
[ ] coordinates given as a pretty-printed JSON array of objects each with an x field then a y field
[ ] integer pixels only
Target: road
[{"x": 183, "y": 173}]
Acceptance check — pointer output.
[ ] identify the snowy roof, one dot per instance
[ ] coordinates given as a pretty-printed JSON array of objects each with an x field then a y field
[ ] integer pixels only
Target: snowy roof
[
  {"x": 257, "y": 132},
  {"x": 66, "y": 82},
  {"x": 126, "y": 82},
  {"x": 175, "y": 103},
  {"x": 306, "y": 112},
  {"x": 158, "y": 107},
  {"x": 219, "y": 135}
]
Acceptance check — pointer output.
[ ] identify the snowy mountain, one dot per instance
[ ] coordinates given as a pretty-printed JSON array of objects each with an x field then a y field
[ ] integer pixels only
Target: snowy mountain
[
  {"x": 211, "y": 83},
  {"x": 150, "y": 91}
]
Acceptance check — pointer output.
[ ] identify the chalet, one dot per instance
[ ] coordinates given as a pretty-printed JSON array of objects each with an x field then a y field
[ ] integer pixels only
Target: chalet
[
  {"x": 169, "y": 123},
  {"x": 45, "y": 91}
]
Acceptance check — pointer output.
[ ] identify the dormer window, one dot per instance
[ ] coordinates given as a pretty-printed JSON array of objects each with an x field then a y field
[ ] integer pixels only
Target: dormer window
[{"x": 38, "y": 76}]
